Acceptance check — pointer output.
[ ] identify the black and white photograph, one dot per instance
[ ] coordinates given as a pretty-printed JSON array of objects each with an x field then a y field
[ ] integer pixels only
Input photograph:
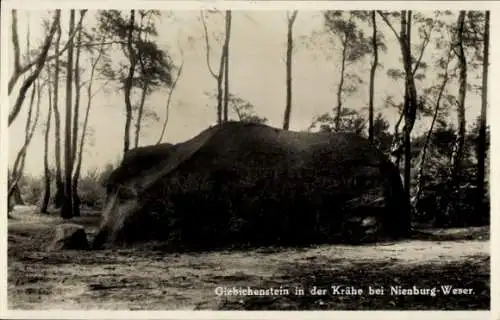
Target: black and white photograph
[{"x": 247, "y": 158}]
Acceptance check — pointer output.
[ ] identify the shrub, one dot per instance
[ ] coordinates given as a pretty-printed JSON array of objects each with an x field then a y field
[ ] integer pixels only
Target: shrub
[{"x": 91, "y": 188}]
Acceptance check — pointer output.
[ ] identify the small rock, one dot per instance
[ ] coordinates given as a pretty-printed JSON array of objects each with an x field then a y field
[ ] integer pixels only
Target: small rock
[{"x": 69, "y": 236}]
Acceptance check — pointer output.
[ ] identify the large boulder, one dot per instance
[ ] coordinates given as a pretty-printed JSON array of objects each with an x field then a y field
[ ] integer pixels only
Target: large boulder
[
  {"x": 69, "y": 236},
  {"x": 240, "y": 183}
]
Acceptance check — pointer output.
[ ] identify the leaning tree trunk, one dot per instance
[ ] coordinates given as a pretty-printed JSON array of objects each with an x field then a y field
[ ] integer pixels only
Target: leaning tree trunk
[
  {"x": 18, "y": 162},
  {"x": 40, "y": 63},
  {"x": 289, "y": 52},
  {"x": 423, "y": 153},
  {"x": 67, "y": 207},
  {"x": 482, "y": 149},
  {"x": 372, "y": 75},
  {"x": 18, "y": 167}
]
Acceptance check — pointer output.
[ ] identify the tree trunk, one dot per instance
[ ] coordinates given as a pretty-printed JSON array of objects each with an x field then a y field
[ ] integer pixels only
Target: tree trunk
[
  {"x": 423, "y": 153},
  {"x": 46, "y": 170},
  {"x": 458, "y": 150},
  {"x": 482, "y": 150},
  {"x": 74, "y": 193},
  {"x": 403, "y": 142},
  {"x": 77, "y": 97},
  {"x": 289, "y": 52},
  {"x": 18, "y": 167},
  {"x": 340, "y": 88},
  {"x": 396, "y": 145},
  {"x": 40, "y": 63},
  {"x": 169, "y": 99},
  {"x": 218, "y": 76},
  {"x": 411, "y": 103},
  {"x": 76, "y": 177},
  {"x": 220, "y": 90},
  {"x": 67, "y": 207},
  {"x": 226, "y": 64},
  {"x": 144, "y": 89},
  {"x": 139, "y": 115},
  {"x": 128, "y": 83},
  {"x": 59, "y": 196},
  {"x": 372, "y": 75}
]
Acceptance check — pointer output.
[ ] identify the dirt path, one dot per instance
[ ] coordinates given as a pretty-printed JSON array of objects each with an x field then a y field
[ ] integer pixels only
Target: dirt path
[{"x": 153, "y": 280}]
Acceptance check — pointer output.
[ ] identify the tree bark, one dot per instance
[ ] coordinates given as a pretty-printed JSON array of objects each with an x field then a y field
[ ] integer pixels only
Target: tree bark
[
  {"x": 403, "y": 143},
  {"x": 144, "y": 88},
  {"x": 289, "y": 53},
  {"x": 46, "y": 170},
  {"x": 411, "y": 103},
  {"x": 226, "y": 64},
  {"x": 482, "y": 150},
  {"x": 457, "y": 154},
  {"x": 74, "y": 191},
  {"x": 59, "y": 195},
  {"x": 67, "y": 206},
  {"x": 373, "y": 70},
  {"x": 139, "y": 115},
  {"x": 340, "y": 89},
  {"x": 220, "y": 90},
  {"x": 128, "y": 83}
]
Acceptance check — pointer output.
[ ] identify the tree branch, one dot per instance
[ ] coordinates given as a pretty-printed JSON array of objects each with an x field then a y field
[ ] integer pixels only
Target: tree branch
[
  {"x": 23, "y": 69},
  {"x": 207, "y": 45},
  {"x": 425, "y": 42},
  {"x": 291, "y": 19},
  {"x": 389, "y": 24},
  {"x": 15, "y": 43},
  {"x": 40, "y": 62},
  {"x": 170, "y": 93}
]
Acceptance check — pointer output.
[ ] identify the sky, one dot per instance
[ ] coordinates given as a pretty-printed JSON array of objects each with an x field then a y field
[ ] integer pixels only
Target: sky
[{"x": 257, "y": 74}]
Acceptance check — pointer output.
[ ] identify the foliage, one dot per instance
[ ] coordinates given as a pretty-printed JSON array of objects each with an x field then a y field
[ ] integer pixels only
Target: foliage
[
  {"x": 350, "y": 121},
  {"x": 155, "y": 67},
  {"x": 435, "y": 190},
  {"x": 240, "y": 109},
  {"x": 91, "y": 187}
]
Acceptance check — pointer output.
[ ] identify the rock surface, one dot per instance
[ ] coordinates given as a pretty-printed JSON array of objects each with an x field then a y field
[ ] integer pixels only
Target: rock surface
[{"x": 69, "y": 236}]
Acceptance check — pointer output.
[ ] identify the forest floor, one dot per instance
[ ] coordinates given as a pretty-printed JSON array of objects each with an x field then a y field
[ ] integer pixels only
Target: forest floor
[{"x": 145, "y": 278}]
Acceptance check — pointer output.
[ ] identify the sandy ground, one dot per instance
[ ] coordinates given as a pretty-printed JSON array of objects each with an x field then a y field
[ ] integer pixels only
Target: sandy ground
[{"x": 146, "y": 278}]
